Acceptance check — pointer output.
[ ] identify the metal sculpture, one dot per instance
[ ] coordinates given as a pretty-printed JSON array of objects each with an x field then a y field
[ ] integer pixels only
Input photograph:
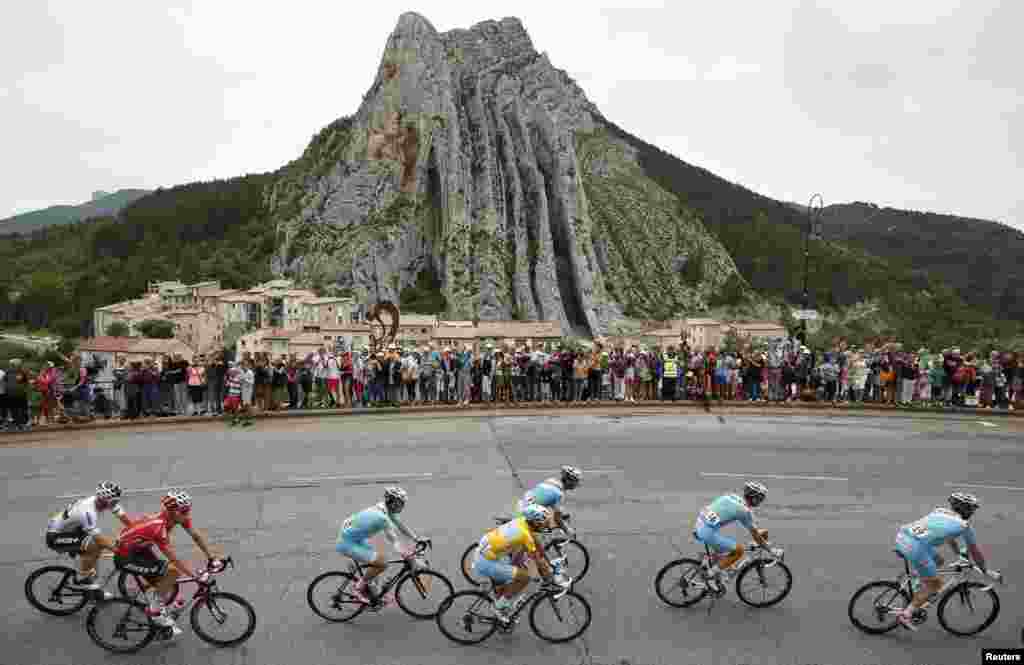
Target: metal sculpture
[{"x": 382, "y": 334}]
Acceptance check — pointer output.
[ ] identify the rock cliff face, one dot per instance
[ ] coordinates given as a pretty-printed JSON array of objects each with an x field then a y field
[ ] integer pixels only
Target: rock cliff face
[{"x": 473, "y": 159}]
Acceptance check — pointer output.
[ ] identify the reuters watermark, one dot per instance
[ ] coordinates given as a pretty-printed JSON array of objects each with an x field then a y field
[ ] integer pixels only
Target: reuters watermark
[{"x": 1002, "y": 656}]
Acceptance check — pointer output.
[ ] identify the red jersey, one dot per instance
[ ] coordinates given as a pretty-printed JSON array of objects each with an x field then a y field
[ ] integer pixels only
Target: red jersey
[{"x": 151, "y": 530}]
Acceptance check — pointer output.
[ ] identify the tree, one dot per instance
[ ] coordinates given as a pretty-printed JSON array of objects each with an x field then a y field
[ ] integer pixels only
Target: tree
[
  {"x": 156, "y": 329},
  {"x": 118, "y": 329}
]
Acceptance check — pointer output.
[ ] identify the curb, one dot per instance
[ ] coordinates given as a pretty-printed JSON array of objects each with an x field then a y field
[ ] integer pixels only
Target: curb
[{"x": 532, "y": 408}]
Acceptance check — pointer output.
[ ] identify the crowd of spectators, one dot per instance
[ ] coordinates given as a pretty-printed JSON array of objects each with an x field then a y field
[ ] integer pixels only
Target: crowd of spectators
[{"x": 781, "y": 371}]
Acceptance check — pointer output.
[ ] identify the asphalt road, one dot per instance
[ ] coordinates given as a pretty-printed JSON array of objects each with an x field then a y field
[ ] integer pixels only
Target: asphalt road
[{"x": 273, "y": 496}]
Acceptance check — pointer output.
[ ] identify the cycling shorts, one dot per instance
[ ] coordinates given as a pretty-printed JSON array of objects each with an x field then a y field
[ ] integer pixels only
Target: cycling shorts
[
  {"x": 919, "y": 553},
  {"x": 232, "y": 403},
  {"x": 142, "y": 562},
  {"x": 500, "y": 571},
  {"x": 713, "y": 537},
  {"x": 361, "y": 551},
  {"x": 66, "y": 542}
]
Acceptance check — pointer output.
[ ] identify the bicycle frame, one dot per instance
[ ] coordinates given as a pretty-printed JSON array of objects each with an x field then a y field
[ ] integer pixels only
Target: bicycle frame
[
  {"x": 953, "y": 574},
  {"x": 408, "y": 568}
]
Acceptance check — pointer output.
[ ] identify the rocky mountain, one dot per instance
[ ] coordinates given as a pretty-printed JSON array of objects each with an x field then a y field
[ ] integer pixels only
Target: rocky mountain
[
  {"x": 102, "y": 204},
  {"x": 475, "y": 163}
]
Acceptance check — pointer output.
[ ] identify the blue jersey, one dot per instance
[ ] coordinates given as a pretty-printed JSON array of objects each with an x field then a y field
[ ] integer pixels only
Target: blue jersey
[
  {"x": 726, "y": 510},
  {"x": 548, "y": 494},
  {"x": 938, "y": 526},
  {"x": 366, "y": 524}
]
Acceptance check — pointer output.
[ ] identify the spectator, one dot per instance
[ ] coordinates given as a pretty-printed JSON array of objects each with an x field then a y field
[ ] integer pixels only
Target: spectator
[
  {"x": 248, "y": 387},
  {"x": 195, "y": 380},
  {"x": 151, "y": 389},
  {"x": 410, "y": 376},
  {"x": 670, "y": 379},
  {"x": 215, "y": 373},
  {"x": 581, "y": 367},
  {"x": 306, "y": 383},
  {"x": 858, "y": 376},
  {"x": 332, "y": 373},
  {"x": 135, "y": 382},
  {"x": 17, "y": 386},
  {"x": 292, "y": 372},
  {"x": 278, "y": 384},
  {"x": 346, "y": 370},
  {"x": 487, "y": 370},
  {"x": 5, "y": 408},
  {"x": 937, "y": 377},
  {"x": 262, "y": 388}
]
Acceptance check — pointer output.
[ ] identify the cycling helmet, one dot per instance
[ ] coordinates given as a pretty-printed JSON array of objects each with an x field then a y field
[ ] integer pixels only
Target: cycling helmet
[
  {"x": 176, "y": 501},
  {"x": 571, "y": 477},
  {"x": 963, "y": 504},
  {"x": 108, "y": 492},
  {"x": 536, "y": 515},
  {"x": 754, "y": 493},
  {"x": 394, "y": 499}
]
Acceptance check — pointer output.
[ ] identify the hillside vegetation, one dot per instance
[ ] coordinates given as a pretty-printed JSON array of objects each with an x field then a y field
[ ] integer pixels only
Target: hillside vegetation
[
  {"x": 56, "y": 276},
  {"x": 107, "y": 205}
]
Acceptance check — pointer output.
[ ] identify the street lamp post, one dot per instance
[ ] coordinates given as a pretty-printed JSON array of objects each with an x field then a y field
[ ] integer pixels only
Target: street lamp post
[{"x": 814, "y": 208}]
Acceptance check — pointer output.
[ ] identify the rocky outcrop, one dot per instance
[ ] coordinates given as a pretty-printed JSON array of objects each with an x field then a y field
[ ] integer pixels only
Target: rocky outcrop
[{"x": 476, "y": 160}]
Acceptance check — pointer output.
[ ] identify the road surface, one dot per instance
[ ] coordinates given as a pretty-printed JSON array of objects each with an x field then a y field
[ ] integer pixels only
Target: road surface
[{"x": 273, "y": 496}]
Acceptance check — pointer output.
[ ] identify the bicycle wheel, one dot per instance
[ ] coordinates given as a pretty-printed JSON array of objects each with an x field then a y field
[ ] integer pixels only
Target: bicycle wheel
[
  {"x": 330, "y": 597},
  {"x": 120, "y": 625},
  {"x": 49, "y": 590},
  {"x": 563, "y": 620},
  {"x": 577, "y": 558},
  {"x": 970, "y": 600},
  {"x": 466, "y": 565},
  {"x": 467, "y": 617},
  {"x": 680, "y": 583},
  {"x": 421, "y": 593},
  {"x": 764, "y": 583},
  {"x": 231, "y": 619},
  {"x": 885, "y": 599},
  {"x": 128, "y": 585}
]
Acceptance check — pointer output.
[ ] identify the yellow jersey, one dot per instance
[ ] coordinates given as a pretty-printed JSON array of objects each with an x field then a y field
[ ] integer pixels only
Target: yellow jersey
[{"x": 509, "y": 538}]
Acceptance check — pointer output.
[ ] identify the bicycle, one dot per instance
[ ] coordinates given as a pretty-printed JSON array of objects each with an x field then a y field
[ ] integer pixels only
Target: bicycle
[
  {"x": 330, "y": 591},
  {"x": 894, "y": 596},
  {"x": 570, "y": 555},
  {"x": 474, "y": 609},
  {"x": 60, "y": 597},
  {"x": 132, "y": 624},
  {"x": 755, "y": 564}
]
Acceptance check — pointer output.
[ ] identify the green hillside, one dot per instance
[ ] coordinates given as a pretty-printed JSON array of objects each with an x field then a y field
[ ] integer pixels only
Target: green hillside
[{"x": 107, "y": 205}]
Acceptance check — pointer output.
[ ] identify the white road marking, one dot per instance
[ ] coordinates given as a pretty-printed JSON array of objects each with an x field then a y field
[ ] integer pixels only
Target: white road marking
[
  {"x": 987, "y": 424},
  {"x": 386, "y": 476},
  {"x": 773, "y": 477},
  {"x": 987, "y": 487},
  {"x": 555, "y": 471},
  {"x": 146, "y": 490}
]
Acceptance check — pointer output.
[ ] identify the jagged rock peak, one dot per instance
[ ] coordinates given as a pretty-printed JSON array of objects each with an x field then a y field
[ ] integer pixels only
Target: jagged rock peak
[{"x": 476, "y": 164}]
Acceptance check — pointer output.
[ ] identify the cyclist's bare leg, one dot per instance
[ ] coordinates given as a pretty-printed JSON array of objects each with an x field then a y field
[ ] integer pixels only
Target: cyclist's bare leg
[
  {"x": 929, "y": 586},
  {"x": 91, "y": 554},
  {"x": 725, "y": 562},
  {"x": 165, "y": 585},
  {"x": 516, "y": 586}
]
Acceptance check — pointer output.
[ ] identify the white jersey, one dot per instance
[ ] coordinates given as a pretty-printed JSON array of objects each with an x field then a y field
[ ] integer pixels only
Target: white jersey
[{"x": 81, "y": 514}]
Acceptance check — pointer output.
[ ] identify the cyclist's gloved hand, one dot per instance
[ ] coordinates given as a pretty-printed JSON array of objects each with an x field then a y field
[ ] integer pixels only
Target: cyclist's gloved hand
[
  {"x": 994, "y": 574},
  {"x": 203, "y": 577}
]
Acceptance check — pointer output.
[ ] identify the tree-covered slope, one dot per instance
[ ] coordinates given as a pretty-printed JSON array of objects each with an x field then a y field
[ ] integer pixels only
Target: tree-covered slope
[{"x": 107, "y": 205}]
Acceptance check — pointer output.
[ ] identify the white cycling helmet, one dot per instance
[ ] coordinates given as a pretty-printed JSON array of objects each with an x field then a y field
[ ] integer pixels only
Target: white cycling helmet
[
  {"x": 177, "y": 501},
  {"x": 108, "y": 492},
  {"x": 754, "y": 492},
  {"x": 571, "y": 477},
  {"x": 394, "y": 499},
  {"x": 536, "y": 515}
]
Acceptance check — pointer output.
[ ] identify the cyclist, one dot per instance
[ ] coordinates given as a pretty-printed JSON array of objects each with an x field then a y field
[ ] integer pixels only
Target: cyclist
[
  {"x": 356, "y": 531},
  {"x": 918, "y": 541},
  {"x": 549, "y": 494},
  {"x": 75, "y": 530},
  {"x": 500, "y": 546},
  {"x": 135, "y": 553},
  {"x": 726, "y": 510}
]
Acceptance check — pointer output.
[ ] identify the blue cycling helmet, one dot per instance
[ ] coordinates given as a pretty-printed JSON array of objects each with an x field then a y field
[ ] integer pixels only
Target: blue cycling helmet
[{"x": 536, "y": 515}]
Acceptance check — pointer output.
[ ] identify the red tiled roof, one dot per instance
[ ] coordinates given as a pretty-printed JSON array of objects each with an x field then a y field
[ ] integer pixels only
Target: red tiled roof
[{"x": 108, "y": 344}]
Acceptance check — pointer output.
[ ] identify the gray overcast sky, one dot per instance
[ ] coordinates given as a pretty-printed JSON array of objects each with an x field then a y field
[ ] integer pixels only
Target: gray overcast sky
[{"x": 910, "y": 103}]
